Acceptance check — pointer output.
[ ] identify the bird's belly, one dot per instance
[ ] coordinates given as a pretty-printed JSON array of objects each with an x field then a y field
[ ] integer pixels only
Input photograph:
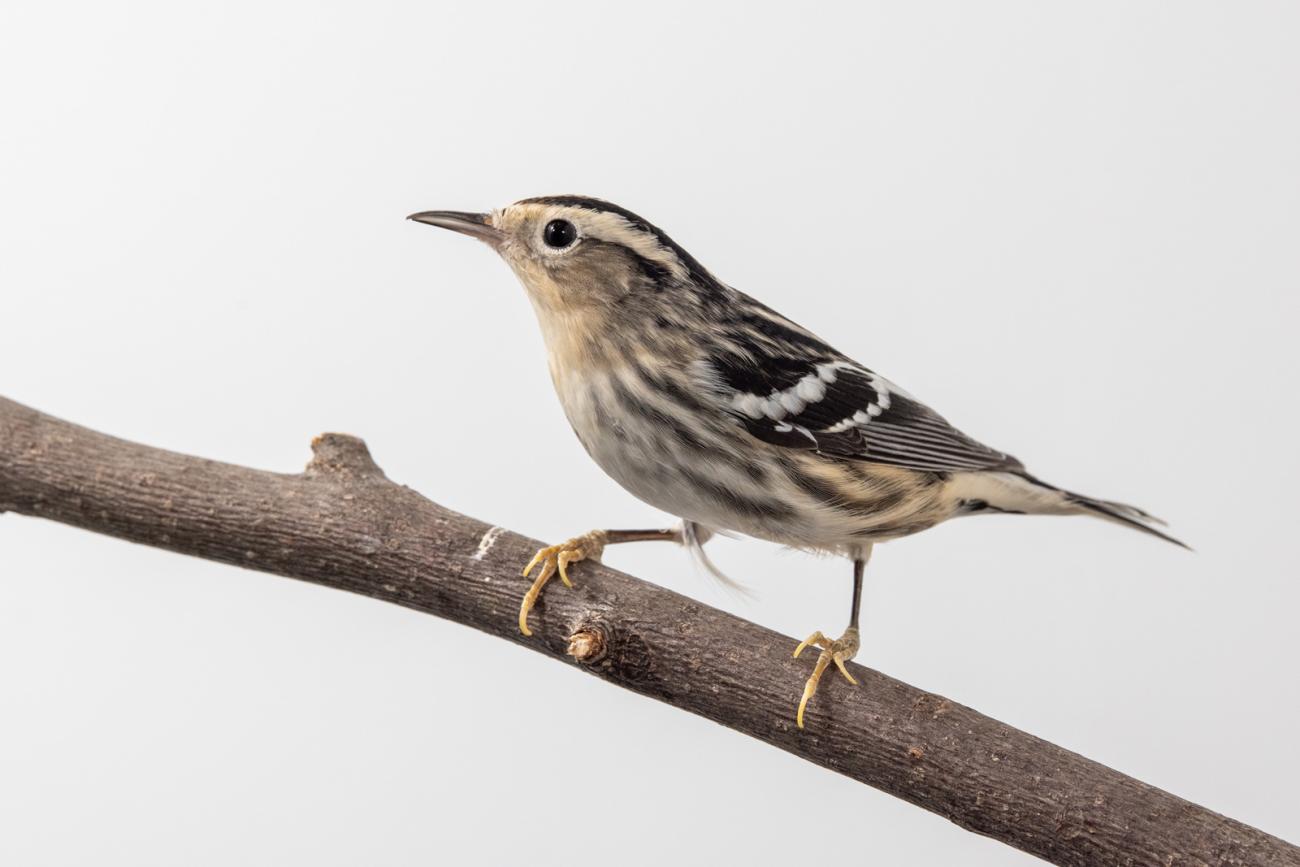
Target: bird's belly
[
  {"x": 672, "y": 463},
  {"x": 720, "y": 477}
]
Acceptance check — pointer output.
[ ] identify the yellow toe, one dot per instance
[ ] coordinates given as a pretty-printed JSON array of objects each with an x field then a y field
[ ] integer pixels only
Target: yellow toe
[
  {"x": 565, "y": 559},
  {"x": 838, "y": 652},
  {"x": 839, "y": 663}
]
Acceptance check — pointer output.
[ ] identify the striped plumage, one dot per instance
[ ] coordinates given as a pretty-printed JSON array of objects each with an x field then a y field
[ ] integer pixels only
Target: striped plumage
[
  {"x": 655, "y": 412},
  {"x": 705, "y": 403}
]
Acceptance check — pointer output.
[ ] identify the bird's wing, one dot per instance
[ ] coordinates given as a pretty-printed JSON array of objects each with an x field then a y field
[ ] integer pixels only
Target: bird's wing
[{"x": 798, "y": 393}]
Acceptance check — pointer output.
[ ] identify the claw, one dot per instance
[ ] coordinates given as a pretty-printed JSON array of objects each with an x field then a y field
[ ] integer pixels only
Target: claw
[
  {"x": 816, "y": 638},
  {"x": 556, "y": 559},
  {"x": 839, "y": 662},
  {"x": 565, "y": 558},
  {"x": 839, "y": 652},
  {"x": 530, "y": 598},
  {"x": 537, "y": 558}
]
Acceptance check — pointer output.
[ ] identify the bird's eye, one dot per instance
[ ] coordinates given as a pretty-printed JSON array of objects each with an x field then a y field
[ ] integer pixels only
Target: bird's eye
[{"x": 559, "y": 234}]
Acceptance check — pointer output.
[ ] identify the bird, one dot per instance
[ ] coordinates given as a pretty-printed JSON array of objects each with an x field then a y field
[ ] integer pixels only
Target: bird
[{"x": 714, "y": 408}]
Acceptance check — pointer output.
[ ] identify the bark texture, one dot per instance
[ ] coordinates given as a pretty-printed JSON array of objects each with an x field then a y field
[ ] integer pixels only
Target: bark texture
[{"x": 342, "y": 523}]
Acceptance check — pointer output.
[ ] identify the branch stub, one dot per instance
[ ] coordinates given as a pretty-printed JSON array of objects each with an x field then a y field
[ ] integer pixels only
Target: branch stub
[{"x": 342, "y": 454}]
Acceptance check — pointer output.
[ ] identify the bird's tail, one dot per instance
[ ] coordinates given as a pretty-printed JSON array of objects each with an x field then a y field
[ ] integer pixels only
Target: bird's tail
[
  {"x": 1021, "y": 492},
  {"x": 1121, "y": 513}
]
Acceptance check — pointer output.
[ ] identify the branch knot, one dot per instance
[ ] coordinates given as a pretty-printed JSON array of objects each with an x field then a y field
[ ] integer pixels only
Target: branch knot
[
  {"x": 587, "y": 645},
  {"x": 343, "y": 455}
]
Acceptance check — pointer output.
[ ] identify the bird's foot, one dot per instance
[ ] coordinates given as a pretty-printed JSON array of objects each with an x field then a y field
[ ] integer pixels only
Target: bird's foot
[
  {"x": 839, "y": 652},
  {"x": 556, "y": 558}
]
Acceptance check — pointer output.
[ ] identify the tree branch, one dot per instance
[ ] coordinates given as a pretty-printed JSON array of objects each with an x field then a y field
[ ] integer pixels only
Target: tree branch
[{"x": 342, "y": 523}]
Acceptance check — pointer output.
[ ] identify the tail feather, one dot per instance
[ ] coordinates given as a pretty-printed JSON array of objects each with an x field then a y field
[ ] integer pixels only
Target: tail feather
[
  {"x": 1124, "y": 509},
  {"x": 1022, "y": 493},
  {"x": 1119, "y": 513},
  {"x": 1129, "y": 516}
]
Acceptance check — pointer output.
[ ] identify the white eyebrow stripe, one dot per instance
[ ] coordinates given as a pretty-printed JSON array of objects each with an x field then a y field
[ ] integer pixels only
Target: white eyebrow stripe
[{"x": 614, "y": 229}]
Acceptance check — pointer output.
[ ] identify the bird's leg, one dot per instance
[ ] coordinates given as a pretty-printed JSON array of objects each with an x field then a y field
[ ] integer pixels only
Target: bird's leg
[
  {"x": 838, "y": 651},
  {"x": 588, "y": 546}
]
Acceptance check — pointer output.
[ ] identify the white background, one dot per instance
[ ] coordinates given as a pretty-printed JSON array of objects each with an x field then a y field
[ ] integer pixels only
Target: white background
[{"x": 1071, "y": 230}]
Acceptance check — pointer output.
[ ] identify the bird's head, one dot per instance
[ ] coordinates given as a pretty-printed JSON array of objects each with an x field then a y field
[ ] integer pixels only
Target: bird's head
[{"x": 574, "y": 253}]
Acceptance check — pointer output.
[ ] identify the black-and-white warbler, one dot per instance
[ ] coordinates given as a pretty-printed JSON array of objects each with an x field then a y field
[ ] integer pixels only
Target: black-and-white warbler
[{"x": 710, "y": 406}]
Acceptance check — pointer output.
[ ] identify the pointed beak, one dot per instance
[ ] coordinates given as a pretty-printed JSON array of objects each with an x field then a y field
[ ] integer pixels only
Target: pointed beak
[{"x": 475, "y": 225}]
